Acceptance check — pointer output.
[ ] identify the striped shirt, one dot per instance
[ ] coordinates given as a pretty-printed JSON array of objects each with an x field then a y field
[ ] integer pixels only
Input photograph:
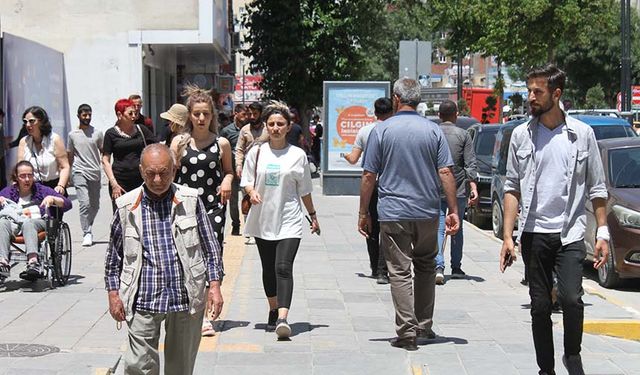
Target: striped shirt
[{"x": 161, "y": 285}]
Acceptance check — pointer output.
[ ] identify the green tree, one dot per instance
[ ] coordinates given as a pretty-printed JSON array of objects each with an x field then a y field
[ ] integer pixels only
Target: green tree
[
  {"x": 298, "y": 44},
  {"x": 463, "y": 108},
  {"x": 595, "y": 98}
]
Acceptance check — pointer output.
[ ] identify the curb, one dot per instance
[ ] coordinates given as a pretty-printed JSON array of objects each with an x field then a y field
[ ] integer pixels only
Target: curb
[{"x": 625, "y": 329}]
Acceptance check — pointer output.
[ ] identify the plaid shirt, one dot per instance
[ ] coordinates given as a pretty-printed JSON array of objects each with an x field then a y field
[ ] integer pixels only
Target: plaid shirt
[{"x": 161, "y": 285}]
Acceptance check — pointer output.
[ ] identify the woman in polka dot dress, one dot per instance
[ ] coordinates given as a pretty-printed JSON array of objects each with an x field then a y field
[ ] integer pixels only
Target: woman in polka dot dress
[{"x": 204, "y": 158}]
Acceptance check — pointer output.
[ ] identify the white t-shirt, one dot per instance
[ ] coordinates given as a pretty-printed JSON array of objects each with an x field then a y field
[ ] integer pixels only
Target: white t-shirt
[
  {"x": 550, "y": 197},
  {"x": 283, "y": 177}
]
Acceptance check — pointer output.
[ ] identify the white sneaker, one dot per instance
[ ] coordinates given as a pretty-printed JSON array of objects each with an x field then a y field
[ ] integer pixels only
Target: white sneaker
[
  {"x": 249, "y": 241},
  {"x": 87, "y": 240},
  {"x": 439, "y": 277}
]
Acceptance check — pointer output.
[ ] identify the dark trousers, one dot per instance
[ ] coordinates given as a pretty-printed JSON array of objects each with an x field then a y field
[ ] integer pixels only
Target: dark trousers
[
  {"x": 234, "y": 212},
  {"x": 376, "y": 257},
  {"x": 542, "y": 253},
  {"x": 277, "y": 268}
]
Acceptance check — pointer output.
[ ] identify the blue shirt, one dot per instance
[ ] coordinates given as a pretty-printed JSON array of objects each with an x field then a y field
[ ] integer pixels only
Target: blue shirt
[{"x": 406, "y": 151}]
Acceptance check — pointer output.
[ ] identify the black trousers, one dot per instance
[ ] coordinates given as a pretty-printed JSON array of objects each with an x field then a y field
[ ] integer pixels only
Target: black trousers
[
  {"x": 277, "y": 268},
  {"x": 376, "y": 257},
  {"x": 542, "y": 253}
]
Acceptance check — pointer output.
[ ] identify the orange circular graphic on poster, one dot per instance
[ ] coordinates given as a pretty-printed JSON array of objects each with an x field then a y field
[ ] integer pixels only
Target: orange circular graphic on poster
[{"x": 350, "y": 120}]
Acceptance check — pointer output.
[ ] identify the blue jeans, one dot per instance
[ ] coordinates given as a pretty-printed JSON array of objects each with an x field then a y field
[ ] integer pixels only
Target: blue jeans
[{"x": 456, "y": 241}]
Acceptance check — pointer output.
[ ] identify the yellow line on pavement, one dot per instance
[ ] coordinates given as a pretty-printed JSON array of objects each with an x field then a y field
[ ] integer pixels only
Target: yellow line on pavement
[
  {"x": 626, "y": 329},
  {"x": 416, "y": 370},
  {"x": 103, "y": 371}
]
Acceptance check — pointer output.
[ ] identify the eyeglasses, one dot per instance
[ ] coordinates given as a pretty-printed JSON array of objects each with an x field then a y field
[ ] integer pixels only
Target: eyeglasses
[
  {"x": 25, "y": 176},
  {"x": 31, "y": 121},
  {"x": 150, "y": 175}
]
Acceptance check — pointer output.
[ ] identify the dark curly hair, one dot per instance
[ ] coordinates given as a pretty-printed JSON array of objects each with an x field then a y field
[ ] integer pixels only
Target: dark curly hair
[{"x": 40, "y": 114}]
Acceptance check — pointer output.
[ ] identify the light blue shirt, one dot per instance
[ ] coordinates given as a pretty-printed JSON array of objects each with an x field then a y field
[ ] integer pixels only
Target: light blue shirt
[
  {"x": 585, "y": 179},
  {"x": 406, "y": 151}
]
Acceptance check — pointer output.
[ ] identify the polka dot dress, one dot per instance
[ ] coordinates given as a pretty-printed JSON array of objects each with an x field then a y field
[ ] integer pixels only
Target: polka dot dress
[{"x": 201, "y": 170}]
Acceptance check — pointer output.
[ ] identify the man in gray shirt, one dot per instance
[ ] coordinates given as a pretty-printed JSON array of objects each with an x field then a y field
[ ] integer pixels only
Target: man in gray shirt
[
  {"x": 465, "y": 173},
  {"x": 410, "y": 156},
  {"x": 84, "y": 146}
]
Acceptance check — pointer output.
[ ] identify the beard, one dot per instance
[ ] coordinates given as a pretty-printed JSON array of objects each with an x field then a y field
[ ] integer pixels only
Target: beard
[
  {"x": 85, "y": 122},
  {"x": 541, "y": 108}
]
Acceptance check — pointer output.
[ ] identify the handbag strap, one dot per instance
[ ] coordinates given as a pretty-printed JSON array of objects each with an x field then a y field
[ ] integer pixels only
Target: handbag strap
[
  {"x": 255, "y": 170},
  {"x": 144, "y": 139}
]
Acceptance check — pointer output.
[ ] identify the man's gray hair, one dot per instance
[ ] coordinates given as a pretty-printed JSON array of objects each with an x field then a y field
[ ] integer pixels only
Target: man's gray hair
[
  {"x": 160, "y": 148},
  {"x": 408, "y": 91}
]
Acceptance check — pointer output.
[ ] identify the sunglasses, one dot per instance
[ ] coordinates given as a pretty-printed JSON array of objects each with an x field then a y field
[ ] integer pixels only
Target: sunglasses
[{"x": 31, "y": 121}]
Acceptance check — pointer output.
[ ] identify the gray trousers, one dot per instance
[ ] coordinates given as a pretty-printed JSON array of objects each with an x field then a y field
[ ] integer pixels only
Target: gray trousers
[
  {"x": 405, "y": 243},
  {"x": 30, "y": 229},
  {"x": 88, "y": 194},
  {"x": 181, "y": 343}
]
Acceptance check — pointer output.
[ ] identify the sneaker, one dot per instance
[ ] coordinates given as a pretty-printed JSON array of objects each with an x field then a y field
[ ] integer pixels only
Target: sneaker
[
  {"x": 406, "y": 344},
  {"x": 426, "y": 334},
  {"x": 235, "y": 230},
  {"x": 283, "y": 330},
  {"x": 207, "y": 328},
  {"x": 457, "y": 273},
  {"x": 87, "y": 240},
  {"x": 249, "y": 241},
  {"x": 439, "y": 276},
  {"x": 5, "y": 270},
  {"x": 382, "y": 279},
  {"x": 33, "y": 272},
  {"x": 573, "y": 364},
  {"x": 273, "y": 318}
]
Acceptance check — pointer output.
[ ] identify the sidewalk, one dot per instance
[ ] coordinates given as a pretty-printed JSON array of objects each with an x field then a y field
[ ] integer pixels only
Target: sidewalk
[{"x": 341, "y": 319}]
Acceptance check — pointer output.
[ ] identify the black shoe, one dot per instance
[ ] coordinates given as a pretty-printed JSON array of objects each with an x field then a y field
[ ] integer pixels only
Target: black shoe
[
  {"x": 235, "y": 231},
  {"x": 382, "y": 279},
  {"x": 426, "y": 334},
  {"x": 273, "y": 317},
  {"x": 573, "y": 364},
  {"x": 556, "y": 308},
  {"x": 524, "y": 281},
  {"x": 457, "y": 273},
  {"x": 32, "y": 273},
  {"x": 374, "y": 274},
  {"x": 406, "y": 344},
  {"x": 5, "y": 271},
  {"x": 283, "y": 330}
]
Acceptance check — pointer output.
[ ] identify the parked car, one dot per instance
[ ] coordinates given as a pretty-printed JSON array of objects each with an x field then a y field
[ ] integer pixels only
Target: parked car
[
  {"x": 484, "y": 137},
  {"x": 621, "y": 161},
  {"x": 604, "y": 127},
  {"x": 463, "y": 122}
]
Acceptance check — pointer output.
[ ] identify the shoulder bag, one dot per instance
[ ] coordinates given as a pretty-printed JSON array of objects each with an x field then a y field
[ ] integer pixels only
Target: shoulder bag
[{"x": 246, "y": 200}]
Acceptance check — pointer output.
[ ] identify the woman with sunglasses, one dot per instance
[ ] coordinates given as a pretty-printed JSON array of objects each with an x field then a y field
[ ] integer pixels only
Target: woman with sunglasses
[
  {"x": 23, "y": 204},
  {"x": 45, "y": 150},
  {"x": 124, "y": 141}
]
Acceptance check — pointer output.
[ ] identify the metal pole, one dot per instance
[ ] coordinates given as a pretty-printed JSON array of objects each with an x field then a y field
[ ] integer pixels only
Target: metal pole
[
  {"x": 243, "y": 81},
  {"x": 459, "y": 91},
  {"x": 625, "y": 81}
]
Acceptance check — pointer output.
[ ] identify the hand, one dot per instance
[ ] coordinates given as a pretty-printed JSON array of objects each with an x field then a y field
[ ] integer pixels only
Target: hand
[
  {"x": 214, "y": 301},
  {"x": 315, "y": 226},
  {"x": 239, "y": 173},
  {"x": 116, "y": 307},
  {"x": 48, "y": 201},
  {"x": 59, "y": 189},
  {"x": 116, "y": 190},
  {"x": 255, "y": 197},
  {"x": 451, "y": 224},
  {"x": 225, "y": 191},
  {"x": 2, "y": 201},
  {"x": 473, "y": 198},
  {"x": 600, "y": 253},
  {"x": 364, "y": 224},
  {"x": 508, "y": 247}
]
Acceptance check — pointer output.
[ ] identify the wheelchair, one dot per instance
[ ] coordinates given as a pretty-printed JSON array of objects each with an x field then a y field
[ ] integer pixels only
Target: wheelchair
[{"x": 54, "y": 251}]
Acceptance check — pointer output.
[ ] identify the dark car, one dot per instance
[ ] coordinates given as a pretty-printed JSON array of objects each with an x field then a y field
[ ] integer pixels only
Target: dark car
[
  {"x": 604, "y": 127},
  {"x": 621, "y": 161},
  {"x": 463, "y": 122},
  {"x": 484, "y": 137}
]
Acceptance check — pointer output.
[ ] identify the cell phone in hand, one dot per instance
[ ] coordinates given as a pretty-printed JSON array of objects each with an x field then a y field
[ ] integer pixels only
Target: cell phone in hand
[
  {"x": 310, "y": 223},
  {"x": 508, "y": 259}
]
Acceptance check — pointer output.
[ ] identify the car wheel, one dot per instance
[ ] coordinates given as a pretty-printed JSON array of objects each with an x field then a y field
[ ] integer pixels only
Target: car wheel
[
  {"x": 496, "y": 219},
  {"x": 607, "y": 275}
]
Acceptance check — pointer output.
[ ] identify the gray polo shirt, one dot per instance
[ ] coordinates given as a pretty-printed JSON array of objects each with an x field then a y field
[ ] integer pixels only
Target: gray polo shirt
[
  {"x": 464, "y": 157},
  {"x": 406, "y": 151},
  {"x": 85, "y": 145}
]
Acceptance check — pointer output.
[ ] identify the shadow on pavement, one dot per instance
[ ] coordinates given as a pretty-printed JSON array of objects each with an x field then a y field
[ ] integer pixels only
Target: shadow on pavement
[
  {"x": 437, "y": 340},
  {"x": 360, "y": 274},
  {"x": 477, "y": 279},
  {"x": 37, "y": 286},
  {"x": 226, "y": 325},
  {"x": 296, "y": 328}
]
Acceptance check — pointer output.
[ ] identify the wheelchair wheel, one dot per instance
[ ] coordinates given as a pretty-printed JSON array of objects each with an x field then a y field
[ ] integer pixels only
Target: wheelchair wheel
[{"x": 62, "y": 255}]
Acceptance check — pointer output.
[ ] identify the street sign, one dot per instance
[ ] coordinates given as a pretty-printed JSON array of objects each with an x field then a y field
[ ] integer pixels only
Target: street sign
[
  {"x": 635, "y": 99},
  {"x": 415, "y": 59}
]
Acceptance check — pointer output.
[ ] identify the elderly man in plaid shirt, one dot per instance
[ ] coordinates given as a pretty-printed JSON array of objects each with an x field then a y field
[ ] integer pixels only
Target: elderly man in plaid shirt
[{"x": 161, "y": 257}]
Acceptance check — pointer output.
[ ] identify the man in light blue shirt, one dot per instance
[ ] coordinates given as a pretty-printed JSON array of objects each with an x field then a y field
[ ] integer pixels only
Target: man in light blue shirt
[
  {"x": 410, "y": 157},
  {"x": 553, "y": 168}
]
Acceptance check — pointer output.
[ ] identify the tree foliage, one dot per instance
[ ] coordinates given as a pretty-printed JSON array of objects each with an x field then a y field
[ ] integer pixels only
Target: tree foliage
[{"x": 595, "y": 97}]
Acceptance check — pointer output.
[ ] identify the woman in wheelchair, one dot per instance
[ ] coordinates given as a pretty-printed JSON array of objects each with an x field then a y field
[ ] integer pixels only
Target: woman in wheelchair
[{"x": 23, "y": 205}]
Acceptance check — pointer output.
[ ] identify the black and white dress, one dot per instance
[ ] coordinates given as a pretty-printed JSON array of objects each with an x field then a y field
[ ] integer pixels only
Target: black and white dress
[{"x": 202, "y": 170}]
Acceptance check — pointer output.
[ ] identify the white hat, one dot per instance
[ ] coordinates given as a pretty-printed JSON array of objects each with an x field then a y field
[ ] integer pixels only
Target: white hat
[{"x": 178, "y": 113}]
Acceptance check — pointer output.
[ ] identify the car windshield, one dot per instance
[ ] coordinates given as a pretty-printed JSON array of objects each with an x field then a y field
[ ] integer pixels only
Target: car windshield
[
  {"x": 612, "y": 131},
  {"x": 486, "y": 141},
  {"x": 624, "y": 167}
]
